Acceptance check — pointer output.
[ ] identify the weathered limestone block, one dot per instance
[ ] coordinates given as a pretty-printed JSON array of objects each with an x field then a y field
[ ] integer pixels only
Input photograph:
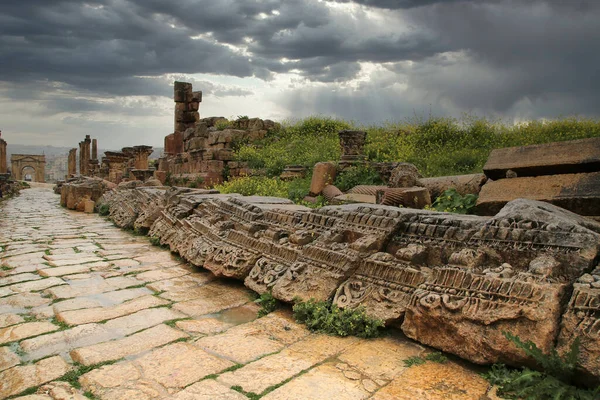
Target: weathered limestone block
[
  {"x": 404, "y": 175},
  {"x": 509, "y": 273},
  {"x": 344, "y": 235},
  {"x": 570, "y": 157},
  {"x": 411, "y": 197},
  {"x": 350, "y": 198},
  {"x": 323, "y": 175},
  {"x": 370, "y": 190},
  {"x": 579, "y": 193},
  {"x": 582, "y": 320},
  {"x": 74, "y": 194},
  {"x": 463, "y": 184},
  {"x": 330, "y": 192}
]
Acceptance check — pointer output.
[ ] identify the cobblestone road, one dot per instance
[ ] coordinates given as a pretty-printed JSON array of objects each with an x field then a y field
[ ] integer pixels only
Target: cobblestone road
[{"x": 90, "y": 311}]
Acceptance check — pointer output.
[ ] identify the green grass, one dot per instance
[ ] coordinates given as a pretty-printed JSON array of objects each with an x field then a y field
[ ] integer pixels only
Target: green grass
[
  {"x": 437, "y": 146},
  {"x": 328, "y": 318},
  {"x": 267, "y": 303},
  {"x": 72, "y": 377}
]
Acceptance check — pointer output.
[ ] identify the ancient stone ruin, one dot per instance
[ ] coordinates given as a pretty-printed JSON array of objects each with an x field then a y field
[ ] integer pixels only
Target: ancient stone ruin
[
  {"x": 566, "y": 174},
  {"x": 28, "y": 167},
  {"x": 3, "y": 164},
  {"x": 453, "y": 282},
  {"x": 201, "y": 150}
]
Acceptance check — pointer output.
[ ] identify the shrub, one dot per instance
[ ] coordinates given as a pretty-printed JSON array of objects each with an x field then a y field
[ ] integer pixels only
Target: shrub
[
  {"x": 554, "y": 381},
  {"x": 454, "y": 202},
  {"x": 268, "y": 304},
  {"x": 359, "y": 175},
  {"x": 104, "y": 210},
  {"x": 223, "y": 124},
  {"x": 325, "y": 317},
  {"x": 303, "y": 142}
]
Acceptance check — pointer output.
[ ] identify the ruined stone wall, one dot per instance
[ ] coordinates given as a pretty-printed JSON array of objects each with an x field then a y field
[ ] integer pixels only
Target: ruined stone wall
[
  {"x": 453, "y": 282},
  {"x": 203, "y": 149},
  {"x": 3, "y": 160}
]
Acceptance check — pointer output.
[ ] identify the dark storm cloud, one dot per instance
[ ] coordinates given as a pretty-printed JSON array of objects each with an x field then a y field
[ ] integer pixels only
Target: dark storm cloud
[{"x": 502, "y": 57}]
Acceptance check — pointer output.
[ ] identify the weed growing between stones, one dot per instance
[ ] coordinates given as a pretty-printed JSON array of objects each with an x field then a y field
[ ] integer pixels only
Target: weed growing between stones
[
  {"x": 267, "y": 303},
  {"x": 72, "y": 377},
  {"x": 250, "y": 395},
  {"x": 554, "y": 381},
  {"x": 155, "y": 241},
  {"x": 325, "y": 317},
  {"x": 436, "y": 357},
  {"x": 412, "y": 361},
  {"x": 62, "y": 325},
  {"x": 104, "y": 210}
]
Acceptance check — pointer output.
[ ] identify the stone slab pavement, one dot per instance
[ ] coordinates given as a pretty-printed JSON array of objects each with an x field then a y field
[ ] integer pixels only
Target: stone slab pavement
[{"x": 90, "y": 311}]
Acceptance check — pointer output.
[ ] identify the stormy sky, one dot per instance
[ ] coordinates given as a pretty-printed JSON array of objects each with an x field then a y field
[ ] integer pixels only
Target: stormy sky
[{"x": 106, "y": 67}]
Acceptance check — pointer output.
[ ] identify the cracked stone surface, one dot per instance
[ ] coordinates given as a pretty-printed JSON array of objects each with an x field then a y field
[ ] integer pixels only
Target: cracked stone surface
[{"x": 76, "y": 289}]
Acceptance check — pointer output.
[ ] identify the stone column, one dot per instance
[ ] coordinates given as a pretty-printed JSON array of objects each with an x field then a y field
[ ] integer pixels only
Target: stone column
[
  {"x": 84, "y": 156},
  {"x": 72, "y": 163},
  {"x": 352, "y": 144},
  {"x": 187, "y": 103},
  {"x": 3, "y": 165},
  {"x": 94, "y": 149},
  {"x": 141, "y": 154}
]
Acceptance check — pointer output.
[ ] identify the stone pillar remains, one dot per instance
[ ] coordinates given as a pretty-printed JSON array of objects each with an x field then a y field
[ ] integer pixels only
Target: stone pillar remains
[
  {"x": 140, "y": 156},
  {"x": 352, "y": 144},
  {"x": 187, "y": 103},
  {"x": 72, "y": 163},
  {"x": 84, "y": 156},
  {"x": 3, "y": 164},
  {"x": 94, "y": 149}
]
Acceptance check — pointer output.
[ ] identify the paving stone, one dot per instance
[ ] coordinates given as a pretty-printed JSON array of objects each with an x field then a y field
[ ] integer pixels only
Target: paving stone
[
  {"x": 240, "y": 346},
  {"x": 120, "y": 381},
  {"x": 18, "y": 278},
  {"x": 208, "y": 390},
  {"x": 22, "y": 331},
  {"x": 8, "y": 359},
  {"x": 58, "y": 391},
  {"x": 10, "y": 319},
  {"x": 268, "y": 371},
  {"x": 17, "y": 379},
  {"x": 179, "y": 365},
  {"x": 87, "y": 315},
  {"x": 323, "y": 382},
  {"x": 92, "y": 286},
  {"x": 89, "y": 334},
  {"x": 319, "y": 347},
  {"x": 76, "y": 261},
  {"x": 106, "y": 299},
  {"x": 205, "y": 326},
  {"x": 182, "y": 282},
  {"x": 381, "y": 358},
  {"x": 134, "y": 344},
  {"x": 161, "y": 274},
  {"x": 60, "y": 271},
  {"x": 36, "y": 285},
  {"x": 22, "y": 301},
  {"x": 222, "y": 301},
  {"x": 432, "y": 381}
]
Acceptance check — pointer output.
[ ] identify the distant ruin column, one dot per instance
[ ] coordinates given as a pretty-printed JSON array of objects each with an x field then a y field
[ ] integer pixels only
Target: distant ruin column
[
  {"x": 3, "y": 164},
  {"x": 94, "y": 149},
  {"x": 141, "y": 154},
  {"x": 84, "y": 156},
  {"x": 352, "y": 144},
  {"x": 72, "y": 163}
]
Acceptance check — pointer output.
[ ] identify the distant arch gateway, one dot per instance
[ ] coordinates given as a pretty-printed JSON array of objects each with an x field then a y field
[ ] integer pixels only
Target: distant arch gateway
[{"x": 28, "y": 167}]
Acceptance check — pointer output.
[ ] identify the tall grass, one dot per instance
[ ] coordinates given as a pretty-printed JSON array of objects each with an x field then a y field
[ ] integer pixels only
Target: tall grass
[{"x": 437, "y": 146}]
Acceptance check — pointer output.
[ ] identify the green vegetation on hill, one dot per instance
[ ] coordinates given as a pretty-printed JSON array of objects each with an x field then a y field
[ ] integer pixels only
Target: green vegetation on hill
[{"x": 437, "y": 146}]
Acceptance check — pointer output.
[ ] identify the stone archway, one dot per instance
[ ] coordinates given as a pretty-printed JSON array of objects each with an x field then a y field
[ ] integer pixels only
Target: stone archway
[{"x": 32, "y": 167}]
